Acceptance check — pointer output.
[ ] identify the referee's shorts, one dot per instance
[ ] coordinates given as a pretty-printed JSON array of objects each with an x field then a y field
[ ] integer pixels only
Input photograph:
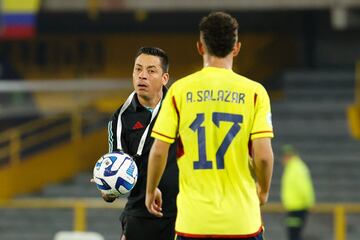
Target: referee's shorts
[{"x": 140, "y": 228}]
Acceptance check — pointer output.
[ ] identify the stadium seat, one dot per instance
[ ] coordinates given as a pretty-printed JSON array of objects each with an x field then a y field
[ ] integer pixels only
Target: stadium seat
[{"x": 69, "y": 235}]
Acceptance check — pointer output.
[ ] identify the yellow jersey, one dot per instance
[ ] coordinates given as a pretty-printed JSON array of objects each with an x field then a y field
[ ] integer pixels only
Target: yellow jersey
[
  {"x": 215, "y": 113},
  {"x": 297, "y": 191}
]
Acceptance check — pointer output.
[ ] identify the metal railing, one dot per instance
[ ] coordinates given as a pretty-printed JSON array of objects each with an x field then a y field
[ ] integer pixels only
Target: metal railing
[
  {"x": 81, "y": 205},
  {"x": 338, "y": 210},
  {"x": 15, "y": 143},
  {"x": 18, "y": 142}
]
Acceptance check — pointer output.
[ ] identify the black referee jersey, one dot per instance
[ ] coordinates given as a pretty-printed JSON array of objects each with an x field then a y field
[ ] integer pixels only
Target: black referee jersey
[{"x": 134, "y": 122}]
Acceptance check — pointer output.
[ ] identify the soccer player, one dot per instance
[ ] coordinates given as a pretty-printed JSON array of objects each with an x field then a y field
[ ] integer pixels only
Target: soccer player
[
  {"x": 222, "y": 121},
  {"x": 129, "y": 131}
]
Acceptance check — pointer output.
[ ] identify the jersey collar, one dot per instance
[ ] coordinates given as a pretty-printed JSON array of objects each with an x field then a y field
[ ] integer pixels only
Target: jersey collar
[{"x": 136, "y": 105}]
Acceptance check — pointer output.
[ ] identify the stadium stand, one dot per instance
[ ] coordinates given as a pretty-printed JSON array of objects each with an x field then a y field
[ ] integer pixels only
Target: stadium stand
[
  {"x": 312, "y": 117},
  {"x": 309, "y": 112}
]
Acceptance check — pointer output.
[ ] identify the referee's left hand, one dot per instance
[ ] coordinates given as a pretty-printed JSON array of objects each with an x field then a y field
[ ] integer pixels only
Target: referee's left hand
[{"x": 153, "y": 202}]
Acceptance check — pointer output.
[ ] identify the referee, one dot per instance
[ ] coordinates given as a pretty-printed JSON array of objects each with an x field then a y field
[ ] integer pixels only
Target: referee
[{"x": 129, "y": 131}]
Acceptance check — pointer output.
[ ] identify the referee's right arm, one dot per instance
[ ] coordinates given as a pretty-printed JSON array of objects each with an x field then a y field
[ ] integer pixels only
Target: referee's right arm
[{"x": 112, "y": 147}]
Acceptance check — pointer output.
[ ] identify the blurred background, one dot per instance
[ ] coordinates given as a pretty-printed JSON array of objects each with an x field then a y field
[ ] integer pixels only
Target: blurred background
[{"x": 65, "y": 66}]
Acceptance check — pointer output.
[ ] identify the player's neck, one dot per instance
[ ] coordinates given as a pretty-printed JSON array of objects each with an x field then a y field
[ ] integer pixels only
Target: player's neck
[
  {"x": 211, "y": 61},
  {"x": 150, "y": 102}
]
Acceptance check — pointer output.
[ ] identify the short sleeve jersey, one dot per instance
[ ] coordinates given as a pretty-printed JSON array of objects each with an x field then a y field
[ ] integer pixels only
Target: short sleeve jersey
[{"x": 215, "y": 113}]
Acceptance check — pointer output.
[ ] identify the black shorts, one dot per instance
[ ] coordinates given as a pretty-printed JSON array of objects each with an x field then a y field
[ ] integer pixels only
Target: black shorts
[{"x": 139, "y": 228}]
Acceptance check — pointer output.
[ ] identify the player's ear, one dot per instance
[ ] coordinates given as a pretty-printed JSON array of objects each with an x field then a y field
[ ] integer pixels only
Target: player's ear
[
  {"x": 200, "y": 48},
  {"x": 165, "y": 78},
  {"x": 236, "y": 48}
]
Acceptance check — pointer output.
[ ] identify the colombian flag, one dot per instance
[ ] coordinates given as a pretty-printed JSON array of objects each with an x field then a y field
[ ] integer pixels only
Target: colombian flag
[{"x": 18, "y": 18}]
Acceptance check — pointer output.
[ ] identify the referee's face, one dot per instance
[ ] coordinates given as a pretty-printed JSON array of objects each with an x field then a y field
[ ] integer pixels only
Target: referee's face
[{"x": 148, "y": 77}]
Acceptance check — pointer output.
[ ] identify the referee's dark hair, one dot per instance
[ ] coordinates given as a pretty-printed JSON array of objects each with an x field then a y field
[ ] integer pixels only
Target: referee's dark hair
[
  {"x": 219, "y": 31},
  {"x": 158, "y": 52}
]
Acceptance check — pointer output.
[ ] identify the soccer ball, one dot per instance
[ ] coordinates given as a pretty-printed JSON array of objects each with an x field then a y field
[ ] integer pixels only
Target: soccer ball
[{"x": 115, "y": 173}]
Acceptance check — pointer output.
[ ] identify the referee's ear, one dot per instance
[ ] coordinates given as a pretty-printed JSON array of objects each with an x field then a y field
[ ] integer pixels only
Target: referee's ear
[{"x": 165, "y": 78}]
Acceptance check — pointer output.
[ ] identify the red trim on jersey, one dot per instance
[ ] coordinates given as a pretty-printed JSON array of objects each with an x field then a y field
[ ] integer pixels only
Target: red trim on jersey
[
  {"x": 163, "y": 135},
  {"x": 176, "y": 109},
  {"x": 261, "y": 132},
  {"x": 175, "y": 106},
  {"x": 179, "y": 148},
  {"x": 220, "y": 236},
  {"x": 178, "y": 122},
  {"x": 250, "y": 149}
]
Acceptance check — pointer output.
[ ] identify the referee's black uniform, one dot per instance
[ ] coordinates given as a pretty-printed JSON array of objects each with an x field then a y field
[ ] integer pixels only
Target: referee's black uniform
[{"x": 137, "y": 222}]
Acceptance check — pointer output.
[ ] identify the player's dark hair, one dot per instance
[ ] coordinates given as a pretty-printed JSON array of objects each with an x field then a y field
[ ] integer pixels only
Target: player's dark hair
[
  {"x": 158, "y": 52},
  {"x": 219, "y": 31}
]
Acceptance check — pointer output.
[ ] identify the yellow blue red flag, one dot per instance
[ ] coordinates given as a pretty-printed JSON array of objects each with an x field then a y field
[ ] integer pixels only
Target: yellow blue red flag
[{"x": 18, "y": 18}]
